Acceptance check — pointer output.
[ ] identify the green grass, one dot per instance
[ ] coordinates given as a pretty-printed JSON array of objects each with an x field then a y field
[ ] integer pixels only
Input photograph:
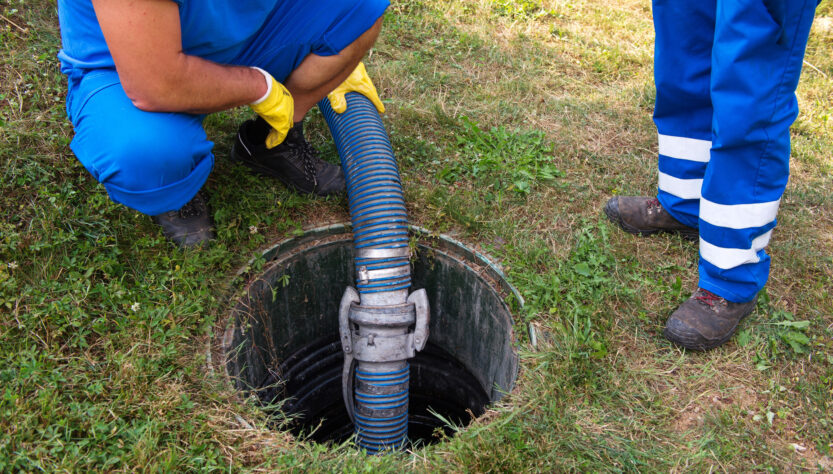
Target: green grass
[{"x": 513, "y": 121}]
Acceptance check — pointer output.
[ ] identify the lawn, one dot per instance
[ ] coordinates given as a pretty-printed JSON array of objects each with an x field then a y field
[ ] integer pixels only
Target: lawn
[{"x": 513, "y": 122}]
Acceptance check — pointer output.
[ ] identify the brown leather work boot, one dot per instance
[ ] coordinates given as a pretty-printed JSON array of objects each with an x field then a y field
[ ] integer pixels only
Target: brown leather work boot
[
  {"x": 642, "y": 215},
  {"x": 705, "y": 321}
]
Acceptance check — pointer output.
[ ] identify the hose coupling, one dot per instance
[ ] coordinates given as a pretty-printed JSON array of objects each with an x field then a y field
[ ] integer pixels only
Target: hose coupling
[
  {"x": 382, "y": 333},
  {"x": 379, "y": 334}
]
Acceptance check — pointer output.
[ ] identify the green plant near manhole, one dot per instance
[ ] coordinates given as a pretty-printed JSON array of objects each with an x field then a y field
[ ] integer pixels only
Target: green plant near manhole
[
  {"x": 574, "y": 292},
  {"x": 511, "y": 160}
]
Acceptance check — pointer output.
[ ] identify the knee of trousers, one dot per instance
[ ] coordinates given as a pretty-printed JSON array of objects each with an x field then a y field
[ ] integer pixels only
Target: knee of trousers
[{"x": 153, "y": 166}]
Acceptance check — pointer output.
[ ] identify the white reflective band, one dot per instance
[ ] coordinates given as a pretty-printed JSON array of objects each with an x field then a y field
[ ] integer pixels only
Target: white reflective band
[
  {"x": 726, "y": 258},
  {"x": 738, "y": 216},
  {"x": 683, "y": 148},
  {"x": 682, "y": 188}
]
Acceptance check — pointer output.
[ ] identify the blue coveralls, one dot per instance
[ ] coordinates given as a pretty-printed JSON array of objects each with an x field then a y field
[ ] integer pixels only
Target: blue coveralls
[
  {"x": 726, "y": 73},
  {"x": 156, "y": 162}
]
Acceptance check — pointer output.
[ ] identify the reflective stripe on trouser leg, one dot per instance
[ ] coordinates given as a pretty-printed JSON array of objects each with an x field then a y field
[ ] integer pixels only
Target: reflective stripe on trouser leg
[
  {"x": 683, "y": 111},
  {"x": 756, "y": 61}
]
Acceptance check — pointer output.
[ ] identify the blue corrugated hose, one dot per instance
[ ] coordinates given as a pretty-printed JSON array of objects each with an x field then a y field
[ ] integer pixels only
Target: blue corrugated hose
[{"x": 379, "y": 219}]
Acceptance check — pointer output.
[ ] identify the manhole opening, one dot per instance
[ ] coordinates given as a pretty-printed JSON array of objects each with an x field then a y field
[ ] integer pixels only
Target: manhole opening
[{"x": 281, "y": 341}]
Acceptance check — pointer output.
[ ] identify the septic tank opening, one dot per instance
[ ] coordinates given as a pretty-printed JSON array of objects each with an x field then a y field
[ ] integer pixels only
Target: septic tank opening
[{"x": 281, "y": 341}]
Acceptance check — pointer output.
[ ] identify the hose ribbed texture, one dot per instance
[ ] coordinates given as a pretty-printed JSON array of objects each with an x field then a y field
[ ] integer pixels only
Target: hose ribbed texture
[
  {"x": 380, "y": 221},
  {"x": 381, "y": 406}
]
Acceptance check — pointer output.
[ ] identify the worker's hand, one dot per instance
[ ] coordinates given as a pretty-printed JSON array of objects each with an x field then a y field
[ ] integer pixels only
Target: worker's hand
[
  {"x": 277, "y": 108},
  {"x": 360, "y": 82}
]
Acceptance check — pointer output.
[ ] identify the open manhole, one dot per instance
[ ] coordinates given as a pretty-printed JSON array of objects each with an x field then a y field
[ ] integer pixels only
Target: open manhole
[{"x": 281, "y": 341}]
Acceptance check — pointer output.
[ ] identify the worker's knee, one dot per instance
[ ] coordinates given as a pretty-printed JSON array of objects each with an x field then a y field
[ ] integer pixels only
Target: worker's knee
[
  {"x": 151, "y": 162},
  {"x": 129, "y": 148},
  {"x": 144, "y": 157}
]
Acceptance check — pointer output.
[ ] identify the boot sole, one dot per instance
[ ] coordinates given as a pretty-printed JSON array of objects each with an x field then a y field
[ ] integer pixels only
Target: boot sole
[
  {"x": 263, "y": 170},
  {"x": 614, "y": 216},
  {"x": 711, "y": 344}
]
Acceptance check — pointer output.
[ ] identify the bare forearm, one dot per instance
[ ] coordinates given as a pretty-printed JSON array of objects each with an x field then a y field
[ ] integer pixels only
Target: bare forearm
[
  {"x": 145, "y": 38},
  {"x": 195, "y": 85}
]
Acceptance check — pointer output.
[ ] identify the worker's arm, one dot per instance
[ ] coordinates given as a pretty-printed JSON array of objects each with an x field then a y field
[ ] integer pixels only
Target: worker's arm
[{"x": 145, "y": 40}]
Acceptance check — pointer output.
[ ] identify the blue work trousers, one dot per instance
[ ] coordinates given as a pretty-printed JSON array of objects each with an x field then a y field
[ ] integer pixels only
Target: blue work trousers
[{"x": 726, "y": 73}]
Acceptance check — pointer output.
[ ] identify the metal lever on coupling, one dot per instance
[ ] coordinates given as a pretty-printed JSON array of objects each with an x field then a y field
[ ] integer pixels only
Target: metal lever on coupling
[
  {"x": 350, "y": 297},
  {"x": 419, "y": 299}
]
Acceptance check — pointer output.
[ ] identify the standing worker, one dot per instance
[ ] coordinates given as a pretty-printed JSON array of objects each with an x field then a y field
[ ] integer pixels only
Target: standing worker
[
  {"x": 142, "y": 75},
  {"x": 726, "y": 73}
]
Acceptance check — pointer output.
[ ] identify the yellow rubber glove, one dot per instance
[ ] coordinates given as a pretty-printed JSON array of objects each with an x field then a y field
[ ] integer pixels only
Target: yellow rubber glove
[
  {"x": 357, "y": 81},
  {"x": 277, "y": 108}
]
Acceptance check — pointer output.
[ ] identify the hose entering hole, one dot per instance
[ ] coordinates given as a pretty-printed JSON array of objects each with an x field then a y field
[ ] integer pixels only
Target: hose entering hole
[{"x": 381, "y": 325}]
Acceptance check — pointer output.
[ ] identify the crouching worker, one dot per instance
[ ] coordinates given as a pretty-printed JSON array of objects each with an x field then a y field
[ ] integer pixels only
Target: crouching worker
[{"x": 143, "y": 74}]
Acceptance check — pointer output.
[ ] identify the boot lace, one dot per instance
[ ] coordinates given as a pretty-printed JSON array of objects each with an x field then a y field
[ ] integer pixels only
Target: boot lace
[
  {"x": 707, "y": 298},
  {"x": 654, "y": 206},
  {"x": 308, "y": 158}
]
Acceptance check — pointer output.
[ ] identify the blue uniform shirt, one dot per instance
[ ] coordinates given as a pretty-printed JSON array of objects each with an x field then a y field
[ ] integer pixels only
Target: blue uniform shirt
[{"x": 212, "y": 29}]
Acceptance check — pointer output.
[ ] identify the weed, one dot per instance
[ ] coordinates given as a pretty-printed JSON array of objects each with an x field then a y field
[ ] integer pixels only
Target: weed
[
  {"x": 780, "y": 335},
  {"x": 500, "y": 159},
  {"x": 573, "y": 291}
]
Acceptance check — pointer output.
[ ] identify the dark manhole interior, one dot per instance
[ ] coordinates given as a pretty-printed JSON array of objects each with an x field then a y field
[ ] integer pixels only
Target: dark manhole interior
[{"x": 281, "y": 341}]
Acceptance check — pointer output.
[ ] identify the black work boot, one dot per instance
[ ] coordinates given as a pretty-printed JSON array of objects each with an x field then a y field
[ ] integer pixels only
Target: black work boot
[
  {"x": 294, "y": 162},
  {"x": 705, "y": 321},
  {"x": 643, "y": 215},
  {"x": 190, "y": 225}
]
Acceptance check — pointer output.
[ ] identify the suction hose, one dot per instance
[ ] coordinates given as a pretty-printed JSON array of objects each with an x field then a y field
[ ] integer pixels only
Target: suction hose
[{"x": 380, "y": 325}]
